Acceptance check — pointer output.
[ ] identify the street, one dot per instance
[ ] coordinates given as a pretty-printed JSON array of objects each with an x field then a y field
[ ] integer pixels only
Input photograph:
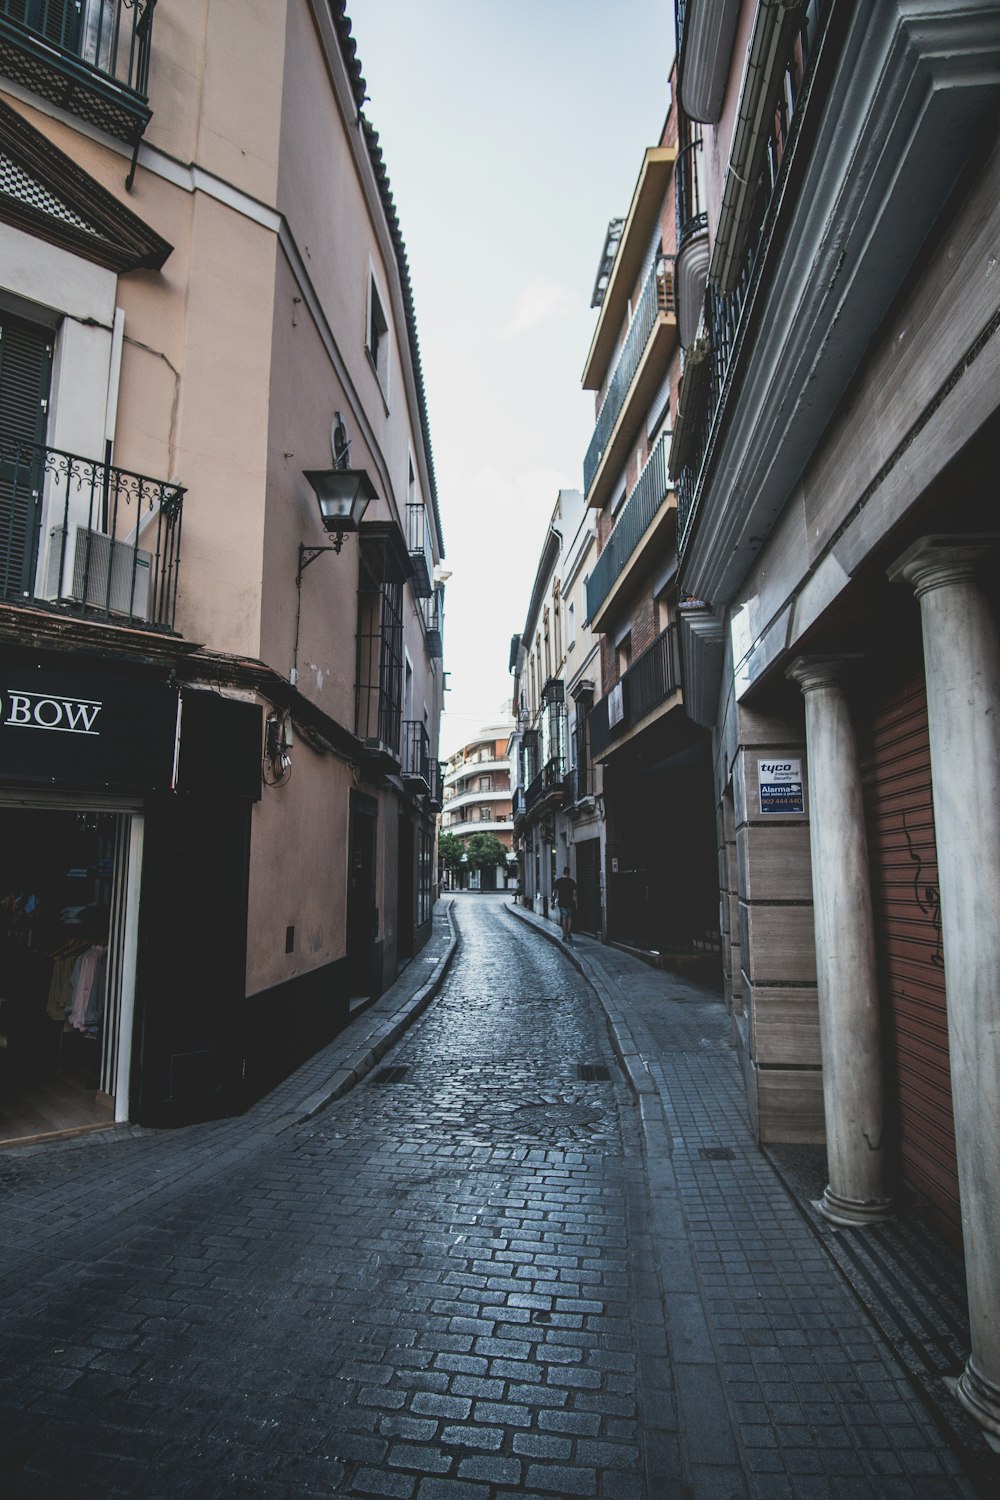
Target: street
[{"x": 459, "y": 1280}]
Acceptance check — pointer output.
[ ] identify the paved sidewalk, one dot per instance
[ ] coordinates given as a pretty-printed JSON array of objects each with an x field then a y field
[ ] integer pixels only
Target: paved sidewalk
[{"x": 784, "y": 1383}]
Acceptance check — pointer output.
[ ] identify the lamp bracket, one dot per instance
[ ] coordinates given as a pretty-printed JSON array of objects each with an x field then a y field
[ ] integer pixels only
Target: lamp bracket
[{"x": 308, "y": 555}]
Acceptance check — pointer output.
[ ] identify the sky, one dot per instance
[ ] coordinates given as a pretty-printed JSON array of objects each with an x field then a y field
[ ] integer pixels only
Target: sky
[{"x": 512, "y": 132}]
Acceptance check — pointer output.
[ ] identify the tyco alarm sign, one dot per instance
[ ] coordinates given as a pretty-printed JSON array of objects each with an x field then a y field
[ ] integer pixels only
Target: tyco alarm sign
[{"x": 780, "y": 786}]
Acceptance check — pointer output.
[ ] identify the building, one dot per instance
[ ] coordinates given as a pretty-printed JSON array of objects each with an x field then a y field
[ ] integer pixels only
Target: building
[
  {"x": 220, "y": 615},
  {"x": 662, "y": 893},
  {"x": 555, "y": 660},
  {"x": 835, "y": 455},
  {"x": 477, "y": 800}
]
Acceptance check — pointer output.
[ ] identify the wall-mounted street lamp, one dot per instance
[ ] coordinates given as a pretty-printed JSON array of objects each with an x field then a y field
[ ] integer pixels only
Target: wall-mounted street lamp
[{"x": 342, "y": 494}]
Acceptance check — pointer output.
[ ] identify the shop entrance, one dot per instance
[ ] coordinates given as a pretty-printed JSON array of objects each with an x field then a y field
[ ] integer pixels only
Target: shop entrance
[{"x": 68, "y": 907}]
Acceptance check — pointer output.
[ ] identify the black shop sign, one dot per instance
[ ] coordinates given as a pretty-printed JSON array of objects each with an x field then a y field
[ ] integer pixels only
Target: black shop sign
[{"x": 61, "y": 728}]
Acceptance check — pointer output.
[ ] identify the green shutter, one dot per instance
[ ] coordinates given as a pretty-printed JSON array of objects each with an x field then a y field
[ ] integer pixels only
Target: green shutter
[{"x": 25, "y": 370}]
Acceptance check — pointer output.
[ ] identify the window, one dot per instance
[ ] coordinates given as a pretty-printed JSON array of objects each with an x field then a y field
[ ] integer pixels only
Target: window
[
  {"x": 485, "y": 783},
  {"x": 624, "y": 652},
  {"x": 485, "y": 814},
  {"x": 571, "y": 625},
  {"x": 378, "y": 337}
]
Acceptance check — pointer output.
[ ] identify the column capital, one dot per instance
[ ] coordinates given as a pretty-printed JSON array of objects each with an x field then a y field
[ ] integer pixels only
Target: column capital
[
  {"x": 813, "y": 672},
  {"x": 936, "y": 562}
]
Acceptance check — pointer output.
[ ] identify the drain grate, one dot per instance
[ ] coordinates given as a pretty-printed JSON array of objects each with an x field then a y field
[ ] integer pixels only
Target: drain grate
[
  {"x": 717, "y": 1153},
  {"x": 592, "y": 1073},
  {"x": 390, "y": 1075}
]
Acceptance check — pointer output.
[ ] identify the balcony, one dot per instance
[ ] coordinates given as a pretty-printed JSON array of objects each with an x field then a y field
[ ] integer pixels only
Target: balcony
[
  {"x": 640, "y": 369},
  {"x": 416, "y": 759},
  {"x": 433, "y": 612},
  {"x": 418, "y": 545},
  {"x": 518, "y": 808},
  {"x": 642, "y": 694},
  {"x": 436, "y": 796},
  {"x": 759, "y": 153},
  {"x": 547, "y": 789},
  {"x": 88, "y": 538},
  {"x": 90, "y": 57},
  {"x": 473, "y": 797},
  {"x": 692, "y": 238},
  {"x": 640, "y": 526}
]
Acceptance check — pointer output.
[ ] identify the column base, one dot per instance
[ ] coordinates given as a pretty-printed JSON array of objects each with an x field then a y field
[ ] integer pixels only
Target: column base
[
  {"x": 980, "y": 1397},
  {"x": 853, "y": 1213}
]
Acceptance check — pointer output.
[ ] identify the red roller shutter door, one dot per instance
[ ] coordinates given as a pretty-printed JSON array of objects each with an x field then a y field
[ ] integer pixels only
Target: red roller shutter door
[{"x": 896, "y": 771}]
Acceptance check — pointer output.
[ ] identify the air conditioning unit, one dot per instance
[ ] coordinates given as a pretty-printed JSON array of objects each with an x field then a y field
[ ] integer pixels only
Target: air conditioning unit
[{"x": 100, "y": 571}]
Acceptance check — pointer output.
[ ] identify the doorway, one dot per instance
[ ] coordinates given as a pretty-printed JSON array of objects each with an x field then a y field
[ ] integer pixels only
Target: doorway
[{"x": 69, "y": 897}]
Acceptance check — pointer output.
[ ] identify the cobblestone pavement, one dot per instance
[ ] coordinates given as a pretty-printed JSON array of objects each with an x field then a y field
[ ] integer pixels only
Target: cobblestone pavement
[{"x": 514, "y": 1257}]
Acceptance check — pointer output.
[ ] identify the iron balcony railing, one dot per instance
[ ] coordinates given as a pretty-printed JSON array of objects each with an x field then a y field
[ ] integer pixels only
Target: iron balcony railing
[
  {"x": 433, "y": 610},
  {"x": 418, "y": 546},
  {"x": 88, "y": 537},
  {"x": 437, "y": 783},
  {"x": 657, "y": 297},
  {"x": 549, "y": 779},
  {"x": 692, "y": 217},
  {"x": 416, "y": 761},
  {"x": 651, "y": 679},
  {"x": 724, "y": 310},
  {"x": 90, "y": 57},
  {"x": 639, "y": 510},
  {"x": 518, "y": 807}
]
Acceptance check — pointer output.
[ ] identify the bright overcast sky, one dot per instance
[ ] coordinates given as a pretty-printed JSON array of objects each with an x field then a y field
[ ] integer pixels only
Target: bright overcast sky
[{"x": 512, "y": 130}]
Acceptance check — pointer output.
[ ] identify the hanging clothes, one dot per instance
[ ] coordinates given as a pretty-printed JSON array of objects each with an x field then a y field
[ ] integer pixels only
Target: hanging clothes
[{"x": 83, "y": 977}]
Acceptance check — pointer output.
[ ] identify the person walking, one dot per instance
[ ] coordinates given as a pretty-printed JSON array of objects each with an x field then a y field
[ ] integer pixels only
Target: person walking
[{"x": 565, "y": 894}]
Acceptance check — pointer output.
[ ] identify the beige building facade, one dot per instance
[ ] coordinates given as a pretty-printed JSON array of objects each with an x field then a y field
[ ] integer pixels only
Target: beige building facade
[
  {"x": 203, "y": 280},
  {"x": 834, "y": 456}
]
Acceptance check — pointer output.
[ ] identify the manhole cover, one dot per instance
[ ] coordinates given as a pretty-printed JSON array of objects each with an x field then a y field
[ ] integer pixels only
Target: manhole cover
[{"x": 557, "y": 1116}]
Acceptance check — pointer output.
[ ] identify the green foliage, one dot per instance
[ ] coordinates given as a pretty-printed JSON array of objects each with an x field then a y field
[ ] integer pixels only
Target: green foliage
[
  {"x": 450, "y": 850},
  {"x": 485, "y": 850}
]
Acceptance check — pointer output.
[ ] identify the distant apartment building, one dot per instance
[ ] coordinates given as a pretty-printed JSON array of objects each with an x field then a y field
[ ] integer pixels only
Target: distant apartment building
[
  {"x": 555, "y": 661},
  {"x": 477, "y": 799},
  {"x": 220, "y": 599},
  {"x": 660, "y": 864}
]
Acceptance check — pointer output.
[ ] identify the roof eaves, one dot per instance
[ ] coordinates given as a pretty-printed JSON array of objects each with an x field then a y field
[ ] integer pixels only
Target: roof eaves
[{"x": 349, "y": 51}]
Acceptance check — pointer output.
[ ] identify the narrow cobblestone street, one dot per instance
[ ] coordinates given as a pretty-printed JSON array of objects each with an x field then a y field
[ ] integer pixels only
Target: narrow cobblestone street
[{"x": 461, "y": 1279}]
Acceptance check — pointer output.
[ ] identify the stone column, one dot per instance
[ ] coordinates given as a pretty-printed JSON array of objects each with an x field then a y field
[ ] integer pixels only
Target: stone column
[
  {"x": 962, "y": 667},
  {"x": 849, "y": 1024}
]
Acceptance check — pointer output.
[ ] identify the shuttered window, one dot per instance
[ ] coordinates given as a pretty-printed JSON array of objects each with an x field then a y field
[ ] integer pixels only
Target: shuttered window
[{"x": 25, "y": 367}]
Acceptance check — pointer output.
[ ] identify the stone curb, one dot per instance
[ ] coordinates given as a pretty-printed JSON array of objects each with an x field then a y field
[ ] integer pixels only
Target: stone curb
[
  {"x": 386, "y": 1031},
  {"x": 631, "y": 1061}
]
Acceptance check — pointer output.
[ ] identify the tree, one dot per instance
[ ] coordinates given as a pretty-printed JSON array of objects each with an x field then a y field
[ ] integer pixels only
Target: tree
[
  {"x": 485, "y": 850},
  {"x": 450, "y": 850}
]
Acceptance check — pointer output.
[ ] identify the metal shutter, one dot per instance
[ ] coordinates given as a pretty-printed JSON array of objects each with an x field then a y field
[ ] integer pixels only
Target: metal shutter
[{"x": 896, "y": 772}]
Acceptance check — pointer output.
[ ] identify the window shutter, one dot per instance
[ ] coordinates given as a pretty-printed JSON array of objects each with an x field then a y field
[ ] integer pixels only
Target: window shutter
[{"x": 25, "y": 368}]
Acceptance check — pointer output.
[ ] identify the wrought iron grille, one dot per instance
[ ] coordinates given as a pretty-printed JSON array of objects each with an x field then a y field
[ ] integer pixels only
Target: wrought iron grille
[
  {"x": 379, "y": 678},
  {"x": 90, "y": 537},
  {"x": 657, "y": 297}
]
